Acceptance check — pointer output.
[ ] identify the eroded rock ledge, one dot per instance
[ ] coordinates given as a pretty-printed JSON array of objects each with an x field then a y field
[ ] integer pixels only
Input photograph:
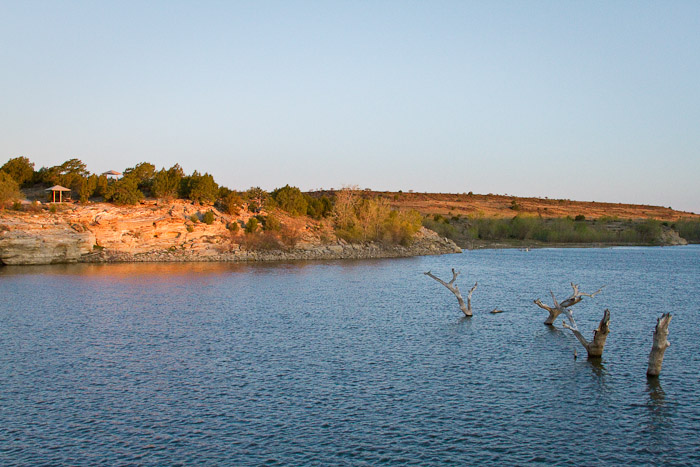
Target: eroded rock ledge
[
  {"x": 166, "y": 232},
  {"x": 422, "y": 247}
]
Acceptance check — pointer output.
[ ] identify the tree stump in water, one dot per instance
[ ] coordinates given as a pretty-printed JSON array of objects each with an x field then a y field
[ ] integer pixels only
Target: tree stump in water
[
  {"x": 596, "y": 346},
  {"x": 563, "y": 307},
  {"x": 465, "y": 307},
  {"x": 659, "y": 346}
]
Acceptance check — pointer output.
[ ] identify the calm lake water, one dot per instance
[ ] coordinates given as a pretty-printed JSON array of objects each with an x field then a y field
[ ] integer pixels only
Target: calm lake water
[{"x": 348, "y": 363}]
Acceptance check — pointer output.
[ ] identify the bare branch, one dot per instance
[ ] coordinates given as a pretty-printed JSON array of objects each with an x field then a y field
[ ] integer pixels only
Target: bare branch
[
  {"x": 578, "y": 293},
  {"x": 539, "y": 303},
  {"x": 570, "y": 316},
  {"x": 596, "y": 346},
  {"x": 581, "y": 294},
  {"x": 562, "y": 307},
  {"x": 469, "y": 296},
  {"x": 578, "y": 335},
  {"x": 438, "y": 279},
  {"x": 575, "y": 287},
  {"x": 556, "y": 304},
  {"x": 466, "y": 309}
]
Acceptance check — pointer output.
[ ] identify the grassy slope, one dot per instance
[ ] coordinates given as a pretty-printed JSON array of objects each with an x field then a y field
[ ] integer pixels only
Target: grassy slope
[
  {"x": 498, "y": 206},
  {"x": 463, "y": 211}
]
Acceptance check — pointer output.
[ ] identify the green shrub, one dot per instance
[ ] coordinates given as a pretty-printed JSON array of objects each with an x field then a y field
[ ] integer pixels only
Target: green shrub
[
  {"x": 9, "y": 189},
  {"x": 208, "y": 217},
  {"x": 144, "y": 174},
  {"x": 271, "y": 223},
  {"x": 256, "y": 198},
  {"x": 689, "y": 229},
  {"x": 290, "y": 199},
  {"x": 231, "y": 203},
  {"x": 251, "y": 226},
  {"x": 649, "y": 231},
  {"x": 166, "y": 183},
  {"x": 20, "y": 169},
  {"x": 124, "y": 191},
  {"x": 442, "y": 229},
  {"x": 190, "y": 228},
  {"x": 318, "y": 208},
  {"x": 199, "y": 188},
  {"x": 400, "y": 227},
  {"x": 194, "y": 218}
]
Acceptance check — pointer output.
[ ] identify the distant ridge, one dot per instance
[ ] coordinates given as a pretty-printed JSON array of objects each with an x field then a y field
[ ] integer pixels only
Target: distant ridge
[{"x": 503, "y": 206}]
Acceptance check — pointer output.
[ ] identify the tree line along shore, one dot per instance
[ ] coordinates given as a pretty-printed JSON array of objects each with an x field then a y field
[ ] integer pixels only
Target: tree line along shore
[{"x": 351, "y": 214}]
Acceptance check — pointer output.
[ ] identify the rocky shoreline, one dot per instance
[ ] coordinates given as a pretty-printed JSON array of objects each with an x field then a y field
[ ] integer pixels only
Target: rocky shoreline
[
  {"x": 341, "y": 250},
  {"x": 174, "y": 232},
  {"x": 170, "y": 232}
]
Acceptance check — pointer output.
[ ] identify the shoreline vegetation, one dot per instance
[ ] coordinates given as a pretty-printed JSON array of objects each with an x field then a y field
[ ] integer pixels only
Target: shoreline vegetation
[
  {"x": 146, "y": 214},
  {"x": 533, "y": 232}
]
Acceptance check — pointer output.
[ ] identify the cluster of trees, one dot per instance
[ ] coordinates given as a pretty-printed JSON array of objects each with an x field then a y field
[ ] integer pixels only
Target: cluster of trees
[
  {"x": 688, "y": 229},
  {"x": 354, "y": 216},
  {"x": 560, "y": 230},
  {"x": 137, "y": 183},
  {"x": 292, "y": 200},
  {"x": 371, "y": 219},
  {"x": 14, "y": 174}
]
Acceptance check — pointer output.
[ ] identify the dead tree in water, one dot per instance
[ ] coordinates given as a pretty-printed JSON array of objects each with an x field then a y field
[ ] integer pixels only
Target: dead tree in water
[
  {"x": 596, "y": 346},
  {"x": 562, "y": 307},
  {"x": 661, "y": 343},
  {"x": 466, "y": 308}
]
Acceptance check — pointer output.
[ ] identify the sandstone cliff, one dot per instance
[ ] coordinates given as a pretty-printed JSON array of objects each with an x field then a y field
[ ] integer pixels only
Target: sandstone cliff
[{"x": 170, "y": 232}]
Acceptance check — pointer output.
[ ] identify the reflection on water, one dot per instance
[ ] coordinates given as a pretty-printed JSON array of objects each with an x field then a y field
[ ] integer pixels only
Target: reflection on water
[
  {"x": 185, "y": 268},
  {"x": 598, "y": 367},
  {"x": 658, "y": 409},
  {"x": 659, "y": 418},
  {"x": 600, "y": 373},
  {"x": 136, "y": 269}
]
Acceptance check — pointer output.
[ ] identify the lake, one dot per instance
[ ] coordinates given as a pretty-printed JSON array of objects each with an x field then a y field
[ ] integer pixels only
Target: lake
[{"x": 349, "y": 362}]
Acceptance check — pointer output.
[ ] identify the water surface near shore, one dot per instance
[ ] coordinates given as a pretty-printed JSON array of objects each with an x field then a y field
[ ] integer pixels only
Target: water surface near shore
[{"x": 348, "y": 362}]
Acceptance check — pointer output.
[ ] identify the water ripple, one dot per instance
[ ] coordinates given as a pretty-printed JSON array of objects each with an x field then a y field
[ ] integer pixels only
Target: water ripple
[{"x": 347, "y": 363}]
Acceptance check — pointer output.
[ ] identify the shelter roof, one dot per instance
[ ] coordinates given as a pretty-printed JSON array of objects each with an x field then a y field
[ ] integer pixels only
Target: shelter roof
[{"x": 57, "y": 188}]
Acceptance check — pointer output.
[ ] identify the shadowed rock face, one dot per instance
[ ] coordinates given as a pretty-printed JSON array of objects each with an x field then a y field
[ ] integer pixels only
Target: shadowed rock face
[
  {"x": 55, "y": 244},
  {"x": 166, "y": 232}
]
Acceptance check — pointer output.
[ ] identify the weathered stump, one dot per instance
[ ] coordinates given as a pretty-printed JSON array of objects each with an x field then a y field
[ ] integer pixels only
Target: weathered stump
[
  {"x": 559, "y": 308},
  {"x": 659, "y": 346},
  {"x": 596, "y": 346},
  {"x": 465, "y": 307}
]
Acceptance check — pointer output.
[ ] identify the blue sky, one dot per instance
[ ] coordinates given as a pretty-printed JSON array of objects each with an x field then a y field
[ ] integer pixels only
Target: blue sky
[{"x": 581, "y": 100}]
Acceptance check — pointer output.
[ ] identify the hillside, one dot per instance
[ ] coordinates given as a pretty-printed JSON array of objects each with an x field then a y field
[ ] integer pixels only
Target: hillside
[
  {"x": 500, "y": 206},
  {"x": 181, "y": 231},
  {"x": 496, "y": 221}
]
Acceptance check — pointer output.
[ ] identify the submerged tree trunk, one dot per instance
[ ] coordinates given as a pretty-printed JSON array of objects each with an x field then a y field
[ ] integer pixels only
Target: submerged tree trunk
[
  {"x": 559, "y": 308},
  {"x": 661, "y": 343},
  {"x": 596, "y": 346},
  {"x": 465, "y": 307}
]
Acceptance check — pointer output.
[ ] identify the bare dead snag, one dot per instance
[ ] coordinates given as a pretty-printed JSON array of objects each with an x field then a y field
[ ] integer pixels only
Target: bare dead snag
[
  {"x": 465, "y": 307},
  {"x": 469, "y": 297},
  {"x": 596, "y": 346},
  {"x": 661, "y": 343},
  {"x": 559, "y": 308}
]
